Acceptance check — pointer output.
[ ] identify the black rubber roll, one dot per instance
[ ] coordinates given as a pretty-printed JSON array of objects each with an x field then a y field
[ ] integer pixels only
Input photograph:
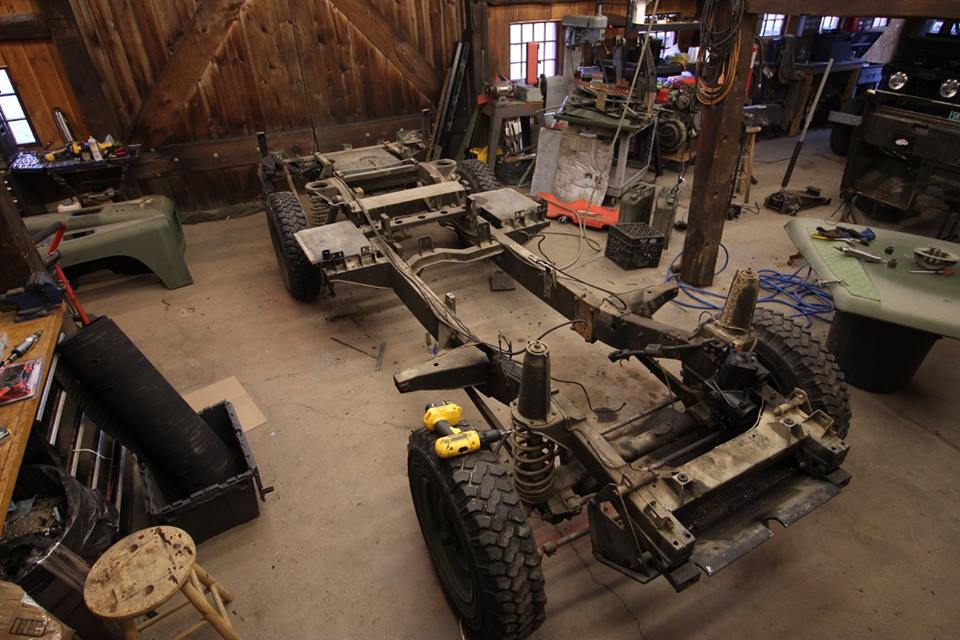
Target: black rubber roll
[{"x": 145, "y": 405}]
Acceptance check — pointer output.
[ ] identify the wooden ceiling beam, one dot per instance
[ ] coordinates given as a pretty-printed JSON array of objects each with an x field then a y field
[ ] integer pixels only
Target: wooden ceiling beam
[
  {"x": 23, "y": 26},
  {"x": 891, "y": 8},
  {"x": 242, "y": 151}
]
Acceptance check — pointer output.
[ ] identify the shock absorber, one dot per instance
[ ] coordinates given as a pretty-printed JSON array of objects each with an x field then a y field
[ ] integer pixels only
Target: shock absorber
[
  {"x": 317, "y": 214},
  {"x": 734, "y": 325},
  {"x": 533, "y": 455}
]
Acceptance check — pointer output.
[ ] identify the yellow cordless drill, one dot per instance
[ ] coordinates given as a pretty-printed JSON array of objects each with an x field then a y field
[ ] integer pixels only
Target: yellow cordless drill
[{"x": 446, "y": 419}]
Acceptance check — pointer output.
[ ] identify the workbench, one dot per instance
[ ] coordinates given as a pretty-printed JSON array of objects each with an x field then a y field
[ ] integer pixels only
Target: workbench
[
  {"x": 887, "y": 319},
  {"x": 498, "y": 111},
  {"x": 34, "y": 180},
  {"x": 19, "y": 416}
]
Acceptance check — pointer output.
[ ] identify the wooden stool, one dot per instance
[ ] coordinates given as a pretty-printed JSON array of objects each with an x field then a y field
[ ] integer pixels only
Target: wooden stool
[{"x": 145, "y": 570}]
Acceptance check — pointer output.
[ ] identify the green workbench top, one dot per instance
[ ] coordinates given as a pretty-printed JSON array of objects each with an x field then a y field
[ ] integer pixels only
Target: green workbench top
[{"x": 919, "y": 301}]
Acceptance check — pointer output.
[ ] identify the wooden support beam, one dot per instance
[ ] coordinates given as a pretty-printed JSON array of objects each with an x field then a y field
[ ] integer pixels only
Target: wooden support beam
[
  {"x": 23, "y": 26},
  {"x": 476, "y": 11},
  {"x": 717, "y": 148},
  {"x": 85, "y": 80},
  {"x": 367, "y": 18},
  {"x": 890, "y": 8},
  {"x": 18, "y": 255},
  {"x": 241, "y": 151},
  {"x": 179, "y": 78}
]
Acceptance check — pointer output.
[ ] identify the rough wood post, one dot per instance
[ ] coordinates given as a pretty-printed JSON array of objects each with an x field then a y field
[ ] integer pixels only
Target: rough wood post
[
  {"x": 477, "y": 27},
  {"x": 717, "y": 147},
  {"x": 18, "y": 255}
]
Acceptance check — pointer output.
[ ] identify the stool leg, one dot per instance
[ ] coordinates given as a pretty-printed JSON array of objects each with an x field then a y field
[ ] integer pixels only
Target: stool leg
[
  {"x": 130, "y": 631},
  {"x": 217, "y": 600},
  {"x": 751, "y": 144},
  {"x": 219, "y": 624},
  {"x": 210, "y": 581}
]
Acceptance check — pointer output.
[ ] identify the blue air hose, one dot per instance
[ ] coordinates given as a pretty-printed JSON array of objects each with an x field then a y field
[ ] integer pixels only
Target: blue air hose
[{"x": 799, "y": 293}]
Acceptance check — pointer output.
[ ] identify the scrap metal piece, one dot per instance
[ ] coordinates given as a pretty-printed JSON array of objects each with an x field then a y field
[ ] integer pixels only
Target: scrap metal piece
[
  {"x": 502, "y": 206},
  {"x": 320, "y": 243},
  {"x": 464, "y": 366},
  {"x": 786, "y": 503}
]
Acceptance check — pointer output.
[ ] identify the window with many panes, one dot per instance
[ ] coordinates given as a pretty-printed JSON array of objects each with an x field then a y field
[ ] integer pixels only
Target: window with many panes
[
  {"x": 12, "y": 112},
  {"x": 829, "y": 23},
  {"x": 668, "y": 38},
  {"x": 772, "y": 24},
  {"x": 868, "y": 24},
  {"x": 939, "y": 27},
  {"x": 544, "y": 33}
]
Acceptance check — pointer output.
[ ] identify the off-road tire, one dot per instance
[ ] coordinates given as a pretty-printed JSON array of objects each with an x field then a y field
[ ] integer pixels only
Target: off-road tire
[
  {"x": 285, "y": 217},
  {"x": 481, "y": 544},
  {"x": 511, "y": 173},
  {"x": 478, "y": 176},
  {"x": 796, "y": 359}
]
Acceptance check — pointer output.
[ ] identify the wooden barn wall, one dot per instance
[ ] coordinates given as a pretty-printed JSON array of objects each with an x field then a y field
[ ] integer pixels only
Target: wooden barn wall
[
  {"x": 181, "y": 71},
  {"x": 193, "y": 80},
  {"x": 38, "y": 75},
  {"x": 269, "y": 64}
]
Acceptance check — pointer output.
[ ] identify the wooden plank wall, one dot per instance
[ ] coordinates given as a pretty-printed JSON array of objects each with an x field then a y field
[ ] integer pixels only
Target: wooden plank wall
[
  {"x": 274, "y": 65},
  {"x": 39, "y": 77},
  {"x": 181, "y": 71},
  {"x": 130, "y": 44}
]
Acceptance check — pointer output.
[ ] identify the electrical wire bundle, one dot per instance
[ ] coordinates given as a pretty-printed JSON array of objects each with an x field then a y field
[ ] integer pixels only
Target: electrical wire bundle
[
  {"x": 719, "y": 50},
  {"x": 798, "y": 291}
]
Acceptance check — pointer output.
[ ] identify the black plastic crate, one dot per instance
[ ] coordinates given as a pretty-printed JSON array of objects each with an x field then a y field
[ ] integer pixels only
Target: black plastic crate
[
  {"x": 633, "y": 245},
  {"x": 205, "y": 513}
]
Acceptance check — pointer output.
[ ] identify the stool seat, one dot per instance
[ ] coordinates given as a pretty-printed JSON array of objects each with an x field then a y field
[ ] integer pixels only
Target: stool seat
[
  {"x": 145, "y": 570},
  {"x": 140, "y": 572}
]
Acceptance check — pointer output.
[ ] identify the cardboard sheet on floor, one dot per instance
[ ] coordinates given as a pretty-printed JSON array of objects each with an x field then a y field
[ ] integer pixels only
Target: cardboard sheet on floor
[
  {"x": 229, "y": 389},
  {"x": 21, "y": 617}
]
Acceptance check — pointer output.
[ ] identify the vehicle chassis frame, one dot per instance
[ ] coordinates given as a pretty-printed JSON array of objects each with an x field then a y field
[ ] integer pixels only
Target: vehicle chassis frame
[{"x": 696, "y": 509}]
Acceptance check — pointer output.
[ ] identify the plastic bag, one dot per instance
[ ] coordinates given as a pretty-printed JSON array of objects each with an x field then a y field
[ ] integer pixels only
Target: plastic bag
[{"x": 88, "y": 524}]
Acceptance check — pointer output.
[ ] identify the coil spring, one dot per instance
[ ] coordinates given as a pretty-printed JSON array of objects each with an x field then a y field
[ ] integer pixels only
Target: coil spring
[
  {"x": 533, "y": 465},
  {"x": 317, "y": 213}
]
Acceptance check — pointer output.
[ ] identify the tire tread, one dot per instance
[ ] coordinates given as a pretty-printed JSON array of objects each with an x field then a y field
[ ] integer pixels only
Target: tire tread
[
  {"x": 815, "y": 368},
  {"x": 287, "y": 217},
  {"x": 499, "y": 535}
]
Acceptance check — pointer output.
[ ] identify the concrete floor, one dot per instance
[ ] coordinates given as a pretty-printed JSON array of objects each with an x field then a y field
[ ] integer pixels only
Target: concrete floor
[{"x": 337, "y": 552}]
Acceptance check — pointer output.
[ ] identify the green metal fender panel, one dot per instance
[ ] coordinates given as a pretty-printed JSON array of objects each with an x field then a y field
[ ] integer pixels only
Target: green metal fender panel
[
  {"x": 146, "y": 229},
  {"x": 924, "y": 302}
]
